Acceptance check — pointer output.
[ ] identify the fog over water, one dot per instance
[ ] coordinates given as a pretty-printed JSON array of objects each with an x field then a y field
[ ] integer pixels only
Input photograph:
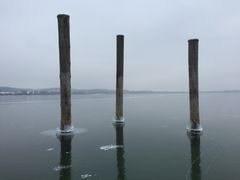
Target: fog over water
[{"x": 156, "y": 34}]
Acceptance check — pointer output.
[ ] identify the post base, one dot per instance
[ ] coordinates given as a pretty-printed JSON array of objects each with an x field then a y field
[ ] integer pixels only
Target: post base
[
  {"x": 65, "y": 136},
  {"x": 66, "y": 131},
  {"x": 118, "y": 124},
  {"x": 118, "y": 121},
  {"x": 194, "y": 129}
]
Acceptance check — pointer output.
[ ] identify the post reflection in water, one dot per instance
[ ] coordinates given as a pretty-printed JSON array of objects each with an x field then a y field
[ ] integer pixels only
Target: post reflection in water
[
  {"x": 65, "y": 157},
  {"x": 120, "y": 151},
  {"x": 195, "y": 156}
]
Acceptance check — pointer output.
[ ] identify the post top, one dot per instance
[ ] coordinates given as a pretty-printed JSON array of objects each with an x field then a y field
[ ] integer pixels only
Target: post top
[
  {"x": 191, "y": 40},
  {"x": 62, "y": 15},
  {"x": 120, "y": 35}
]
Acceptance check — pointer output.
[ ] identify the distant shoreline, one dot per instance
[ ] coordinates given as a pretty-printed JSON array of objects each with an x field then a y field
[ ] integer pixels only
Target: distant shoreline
[{"x": 54, "y": 91}]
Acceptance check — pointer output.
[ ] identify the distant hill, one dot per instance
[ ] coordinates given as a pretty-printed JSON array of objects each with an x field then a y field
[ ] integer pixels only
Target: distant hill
[{"x": 49, "y": 91}]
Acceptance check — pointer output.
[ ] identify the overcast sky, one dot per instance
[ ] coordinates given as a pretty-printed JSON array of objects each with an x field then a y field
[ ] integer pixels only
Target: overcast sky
[{"x": 156, "y": 34}]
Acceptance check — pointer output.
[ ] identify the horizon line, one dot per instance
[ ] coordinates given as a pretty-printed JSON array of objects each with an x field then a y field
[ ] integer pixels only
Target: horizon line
[{"x": 124, "y": 89}]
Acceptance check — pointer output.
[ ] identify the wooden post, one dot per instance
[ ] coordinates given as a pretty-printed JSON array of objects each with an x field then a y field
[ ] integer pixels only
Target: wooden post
[
  {"x": 119, "y": 78},
  {"x": 65, "y": 75},
  {"x": 193, "y": 85}
]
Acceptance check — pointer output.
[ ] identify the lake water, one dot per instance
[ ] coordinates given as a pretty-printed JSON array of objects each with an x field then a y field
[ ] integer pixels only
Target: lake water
[{"x": 152, "y": 145}]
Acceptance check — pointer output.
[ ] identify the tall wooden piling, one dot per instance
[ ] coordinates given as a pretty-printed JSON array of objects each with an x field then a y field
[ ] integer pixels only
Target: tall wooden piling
[
  {"x": 193, "y": 85},
  {"x": 65, "y": 74},
  {"x": 119, "y": 78}
]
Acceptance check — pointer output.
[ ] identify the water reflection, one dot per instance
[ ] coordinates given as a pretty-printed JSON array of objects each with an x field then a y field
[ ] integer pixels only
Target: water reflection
[
  {"x": 195, "y": 173},
  {"x": 65, "y": 157},
  {"x": 120, "y": 151}
]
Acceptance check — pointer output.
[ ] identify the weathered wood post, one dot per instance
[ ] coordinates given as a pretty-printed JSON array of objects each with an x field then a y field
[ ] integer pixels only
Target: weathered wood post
[
  {"x": 65, "y": 75},
  {"x": 193, "y": 85},
  {"x": 119, "y": 78}
]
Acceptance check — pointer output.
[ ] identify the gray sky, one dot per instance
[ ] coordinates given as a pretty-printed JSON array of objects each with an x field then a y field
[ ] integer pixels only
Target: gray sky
[{"x": 156, "y": 34}]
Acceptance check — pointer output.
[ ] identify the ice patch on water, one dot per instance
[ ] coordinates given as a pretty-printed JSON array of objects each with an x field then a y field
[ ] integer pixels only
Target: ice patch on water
[
  {"x": 79, "y": 130},
  {"x": 51, "y": 132},
  {"x": 59, "y": 168},
  {"x": 50, "y": 149},
  {"x": 84, "y": 176},
  {"x": 54, "y": 132},
  {"x": 111, "y": 146}
]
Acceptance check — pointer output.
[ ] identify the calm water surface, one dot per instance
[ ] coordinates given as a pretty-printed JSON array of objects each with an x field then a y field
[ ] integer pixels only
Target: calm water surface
[{"x": 152, "y": 145}]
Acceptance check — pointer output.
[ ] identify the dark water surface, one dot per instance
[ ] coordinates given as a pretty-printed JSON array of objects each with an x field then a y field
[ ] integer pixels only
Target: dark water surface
[{"x": 152, "y": 145}]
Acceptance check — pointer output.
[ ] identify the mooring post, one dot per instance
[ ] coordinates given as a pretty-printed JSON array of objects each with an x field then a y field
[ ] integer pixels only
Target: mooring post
[
  {"x": 65, "y": 74},
  {"x": 193, "y": 85},
  {"x": 119, "y": 78}
]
